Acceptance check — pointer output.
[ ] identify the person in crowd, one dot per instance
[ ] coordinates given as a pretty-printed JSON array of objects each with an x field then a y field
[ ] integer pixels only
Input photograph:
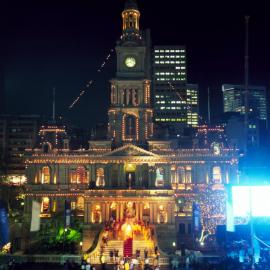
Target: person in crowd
[{"x": 145, "y": 253}]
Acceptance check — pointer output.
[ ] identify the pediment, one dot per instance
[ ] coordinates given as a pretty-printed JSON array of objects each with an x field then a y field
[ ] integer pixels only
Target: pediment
[{"x": 130, "y": 150}]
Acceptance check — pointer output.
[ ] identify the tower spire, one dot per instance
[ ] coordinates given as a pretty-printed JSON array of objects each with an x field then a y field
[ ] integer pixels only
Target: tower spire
[
  {"x": 53, "y": 106},
  {"x": 208, "y": 106}
]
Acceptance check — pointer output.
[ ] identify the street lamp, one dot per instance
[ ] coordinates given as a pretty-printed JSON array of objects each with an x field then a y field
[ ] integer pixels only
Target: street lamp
[
  {"x": 81, "y": 243},
  {"x": 64, "y": 239}
]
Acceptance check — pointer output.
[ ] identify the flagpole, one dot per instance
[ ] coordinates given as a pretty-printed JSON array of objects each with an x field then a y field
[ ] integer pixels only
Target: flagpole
[{"x": 251, "y": 229}]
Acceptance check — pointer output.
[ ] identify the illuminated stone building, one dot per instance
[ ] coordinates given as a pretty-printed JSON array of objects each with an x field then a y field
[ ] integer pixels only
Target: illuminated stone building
[{"x": 125, "y": 188}]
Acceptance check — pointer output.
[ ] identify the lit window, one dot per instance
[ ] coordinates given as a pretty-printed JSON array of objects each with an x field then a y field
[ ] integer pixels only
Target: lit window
[
  {"x": 159, "y": 177},
  {"x": 100, "y": 181},
  {"x": 96, "y": 214},
  {"x": 45, "y": 175},
  {"x": 80, "y": 206},
  {"x": 188, "y": 178},
  {"x": 217, "y": 174},
  {"x": 79, "y": 176},
  {"x": 45, "y": 205}
]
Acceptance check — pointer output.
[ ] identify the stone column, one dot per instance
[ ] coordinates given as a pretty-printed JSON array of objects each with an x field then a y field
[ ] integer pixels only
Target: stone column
[
  {"x": 121, "y": 211},
  {"x": 103, "y": 210},
  {"x": 107, "y": 211},
  {"x": 86, "y": 213},
  {"x": 141, "y": 211},
  {"x": 121, "y": 176},
  {"x": 93, "y": 173},
  {"x": 169, "y": 213},
  {"x": 172, "y": 211},
  {"x": 117, "y": 212},
  {"x": 137, "y": 210},
  {"x": 89, "y": 169},
  {"x": 89, "y": 212},
  {"x": 151, "y": 212},
  {"x": 155, "y": 213}
]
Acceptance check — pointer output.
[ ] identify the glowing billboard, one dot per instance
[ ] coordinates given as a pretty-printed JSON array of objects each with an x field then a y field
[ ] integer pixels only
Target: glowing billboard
[{"x": 251, "y": 200}]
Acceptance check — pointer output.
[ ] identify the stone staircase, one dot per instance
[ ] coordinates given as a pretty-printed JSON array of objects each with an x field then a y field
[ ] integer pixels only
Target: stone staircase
[
  {"x": 114, "y": 245},
  {"x": 141, "y": 245}
]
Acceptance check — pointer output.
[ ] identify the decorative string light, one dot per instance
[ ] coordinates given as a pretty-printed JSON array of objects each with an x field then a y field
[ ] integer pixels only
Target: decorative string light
[
  {"x": 89, "y": 83},
  {"x": 178, "y": 94}
]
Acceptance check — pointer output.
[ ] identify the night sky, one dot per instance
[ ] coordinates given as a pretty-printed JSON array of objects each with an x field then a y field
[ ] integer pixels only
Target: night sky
[{"x": 46, "y": 44}]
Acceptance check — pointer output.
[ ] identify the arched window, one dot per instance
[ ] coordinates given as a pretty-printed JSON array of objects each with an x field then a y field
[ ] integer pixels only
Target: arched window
[
  {"x": 216, "y": 174},
  {"x": 181, "y": 175},
  {"x": 130, "y": 126},
  {"x": 162, "y": 214},
  {"x": 174, "y": 176},
  {"x": 96, "y": 214},
  {"x": 46, "y": 147},
  {"x": 146, "y": 212},
  {"x": 159, "y": 177},
  {"x": 45, "y": 205},
  {"x": 79, "y": 176},
  {"x": 80, "y": 206},
  {"x": 45, "y": 175},
  {"x": 188, "y": 173},
  {"x": 100, "y": 181}
]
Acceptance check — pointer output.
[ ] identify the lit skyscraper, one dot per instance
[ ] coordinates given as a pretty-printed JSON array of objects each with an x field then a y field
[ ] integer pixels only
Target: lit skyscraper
[
  {"x": 234, "y": 100},
  {"x": 175, "y": 101}
]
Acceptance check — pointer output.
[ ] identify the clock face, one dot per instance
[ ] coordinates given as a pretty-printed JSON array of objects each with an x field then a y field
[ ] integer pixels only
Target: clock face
[{"x": 130, "y": 62}]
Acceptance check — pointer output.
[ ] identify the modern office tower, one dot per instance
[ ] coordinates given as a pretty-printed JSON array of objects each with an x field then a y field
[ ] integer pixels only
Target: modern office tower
[
  {"x": 234, "y": 100},
  {"x": 17, "y": 133},
  {"x": 175, "y": 101}
]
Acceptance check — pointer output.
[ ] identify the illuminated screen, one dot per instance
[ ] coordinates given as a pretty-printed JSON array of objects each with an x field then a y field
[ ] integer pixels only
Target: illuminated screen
[{"x": 256, "y": 198}]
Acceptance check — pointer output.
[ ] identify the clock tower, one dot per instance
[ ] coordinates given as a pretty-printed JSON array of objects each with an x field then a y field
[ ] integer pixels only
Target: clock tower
[{"x": 130, "y": 113}]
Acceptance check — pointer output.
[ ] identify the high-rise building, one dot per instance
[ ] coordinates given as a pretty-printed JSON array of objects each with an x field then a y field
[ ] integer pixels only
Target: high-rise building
[
  {"x": 17, "y": 133},
  {"x": 234, "y": 100},
  {"x": 175, "y": 101}
]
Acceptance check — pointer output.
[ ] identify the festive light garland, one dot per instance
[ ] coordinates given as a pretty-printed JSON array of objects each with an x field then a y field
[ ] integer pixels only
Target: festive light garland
[
  {"x": 213, "y": 208},
  {"x": 89, "y": 83},
  {"x": 178, "y": 94}
]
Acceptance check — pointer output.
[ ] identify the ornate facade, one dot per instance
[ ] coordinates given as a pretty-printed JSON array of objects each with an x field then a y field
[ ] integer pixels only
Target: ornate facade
[{"x": 129, "y": 183}]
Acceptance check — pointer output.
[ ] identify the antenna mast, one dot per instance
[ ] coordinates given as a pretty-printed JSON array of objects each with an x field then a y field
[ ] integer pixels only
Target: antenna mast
[
  {"x": 246, "y": 82},
  {"x": 208, "y": 106}
]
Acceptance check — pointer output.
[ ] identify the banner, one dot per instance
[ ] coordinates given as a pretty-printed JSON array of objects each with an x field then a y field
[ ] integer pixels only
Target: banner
[
  {"x": 67, "y": 213},
  {"x": 35, "y": 221},
  {"x": 229, "y": 211},
  {"x": 196, "y": 217},
  {"x": 4, "y": 227}
]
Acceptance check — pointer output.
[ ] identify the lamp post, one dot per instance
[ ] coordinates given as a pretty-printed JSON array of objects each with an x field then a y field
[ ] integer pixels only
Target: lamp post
[
  {"x": 64, "y": 239},
  {"x": 81, "y": 243}
]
